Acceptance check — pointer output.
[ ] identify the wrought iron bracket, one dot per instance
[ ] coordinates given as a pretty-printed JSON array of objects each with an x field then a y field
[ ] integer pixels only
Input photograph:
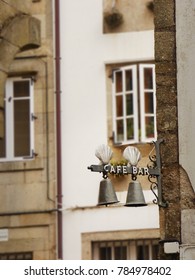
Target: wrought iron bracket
[
  {"x": 153, "y": 171},
  {"x": 155, "y": 164}
]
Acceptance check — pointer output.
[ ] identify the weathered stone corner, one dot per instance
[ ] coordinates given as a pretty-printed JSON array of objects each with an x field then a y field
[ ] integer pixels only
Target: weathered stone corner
[
  {"x": 23, "y": 32},
  {"x": 187, "y": 192}
]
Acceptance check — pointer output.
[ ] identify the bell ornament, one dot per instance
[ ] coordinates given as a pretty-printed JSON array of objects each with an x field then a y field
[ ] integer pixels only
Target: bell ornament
[
  {"x": 107, "y": 194},
  {"x": 135, "y": 196}
]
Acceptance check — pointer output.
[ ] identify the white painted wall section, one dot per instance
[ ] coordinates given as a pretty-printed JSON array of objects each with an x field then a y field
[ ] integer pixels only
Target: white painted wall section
[{"x": 84, "y": 52}]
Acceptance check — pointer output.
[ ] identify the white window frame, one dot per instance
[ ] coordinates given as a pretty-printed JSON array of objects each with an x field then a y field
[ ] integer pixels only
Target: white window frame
[
  {"x": 9, "y": 119},
  {"x": 142, "y": 67},
  {"x": 135, "y": 105},
  {"x": 131, "y": 247},
  {"x": 138, "y": 110}
]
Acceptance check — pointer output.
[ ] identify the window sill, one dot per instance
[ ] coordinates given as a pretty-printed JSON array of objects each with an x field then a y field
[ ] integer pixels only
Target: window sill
[
  {"x": 136, "y": 142},
  {"x": 25, "y": 165}
]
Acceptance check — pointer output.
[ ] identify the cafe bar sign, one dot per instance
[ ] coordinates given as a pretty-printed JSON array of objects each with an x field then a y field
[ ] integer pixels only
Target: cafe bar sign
[
  {"x": 124, "y": 169},
  {"x": 132, "y": 155}
]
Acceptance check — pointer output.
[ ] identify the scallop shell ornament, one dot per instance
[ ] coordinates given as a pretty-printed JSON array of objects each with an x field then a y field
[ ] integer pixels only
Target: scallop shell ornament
[
  {"x": 132, "y": 155},
  {"x": 104, "y": 153}
]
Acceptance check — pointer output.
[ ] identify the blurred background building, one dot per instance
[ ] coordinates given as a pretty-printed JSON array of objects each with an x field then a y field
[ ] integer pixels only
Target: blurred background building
[
  {"x": 28, "y": 207},
  {"x": 108, "y": 85}
]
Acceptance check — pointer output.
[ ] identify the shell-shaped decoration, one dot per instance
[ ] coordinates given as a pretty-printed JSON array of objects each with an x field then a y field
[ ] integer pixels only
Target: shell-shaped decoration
[
  {"x": 104, "y": 153},
  {"x": 132, "y": 155}
]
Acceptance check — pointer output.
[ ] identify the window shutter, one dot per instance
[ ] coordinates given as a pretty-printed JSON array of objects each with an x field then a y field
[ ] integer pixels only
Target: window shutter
[
  {"x": 125, "y": 109},
  {"x": 19, "y": 128},
  {"x": 147, "y": 102}
]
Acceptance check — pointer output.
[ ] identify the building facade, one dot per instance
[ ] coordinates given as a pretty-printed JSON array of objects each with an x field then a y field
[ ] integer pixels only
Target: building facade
[
  {"x": 111, "y": 88},
  {"x": 108, "y": 97},
  {"x": 28, "y": 206}
]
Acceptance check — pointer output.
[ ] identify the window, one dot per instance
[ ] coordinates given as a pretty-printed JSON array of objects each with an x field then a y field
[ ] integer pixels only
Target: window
[
  {"x": 17, "y": 256},
  {"x": 146, "y": 249},
  {"x": 18, "y": 141},
  {"x": 134, "y": 104}
]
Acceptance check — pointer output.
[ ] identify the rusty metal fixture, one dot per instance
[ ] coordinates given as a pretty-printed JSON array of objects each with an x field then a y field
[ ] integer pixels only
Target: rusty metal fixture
[
  {"x": 150, "y": 6},
  {"x": 113, "y": 18}
]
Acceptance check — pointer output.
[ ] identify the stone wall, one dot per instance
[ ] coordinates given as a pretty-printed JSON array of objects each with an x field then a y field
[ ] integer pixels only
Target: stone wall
[
  {"x": 167, "y": 124},
  {"x": 177, "y": 190},
  {"x": 18, "y": 31},
  {"x": 28, "y": 187}
]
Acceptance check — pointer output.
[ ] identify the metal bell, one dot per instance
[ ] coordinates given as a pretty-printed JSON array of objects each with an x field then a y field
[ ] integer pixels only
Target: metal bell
[
  {"x": 107, "y": 194},
  {"x": 135, "y": 196}
]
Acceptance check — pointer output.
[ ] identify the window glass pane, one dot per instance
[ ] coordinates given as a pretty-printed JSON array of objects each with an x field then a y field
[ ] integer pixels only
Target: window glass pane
[
  {"x": 105, "y": 253},
  {"x": 129, "y": 104},
  {"x": 21, "y": 128},
  {"x": 120, "y": 253},
  {"x": 119, "y": 106},
  {"x": 120, "y": 130},
  {"x": 142, "y": 252},
  {"x": 148, "y": 78},
  {"x": 21, "y": 88},
  {"x": 149, "y": 127},
  {"x": 129, "y": 80},
  {"x": 126, "y": 249},
  {"x": 149, "y": 102},
  {"x": 118, "y": 84},
  {"x": 130, "y": 129},
  {"x": 2, "y": 147},
  {"x": 155, "y": 252},
  {"x": 2, "y": 140},
  {"x": 134, "y": 84}
]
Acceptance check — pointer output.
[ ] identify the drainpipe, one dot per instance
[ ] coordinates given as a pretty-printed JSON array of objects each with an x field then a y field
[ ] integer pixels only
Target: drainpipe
[{"x": 58, "y": 125}]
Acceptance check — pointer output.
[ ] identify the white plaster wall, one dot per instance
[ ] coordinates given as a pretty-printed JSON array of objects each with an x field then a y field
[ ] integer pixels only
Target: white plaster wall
[
  {"x": 185, "y": 36},
  {"x": 84, "y": 52},
  {"x": 104, "y": 219}
]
